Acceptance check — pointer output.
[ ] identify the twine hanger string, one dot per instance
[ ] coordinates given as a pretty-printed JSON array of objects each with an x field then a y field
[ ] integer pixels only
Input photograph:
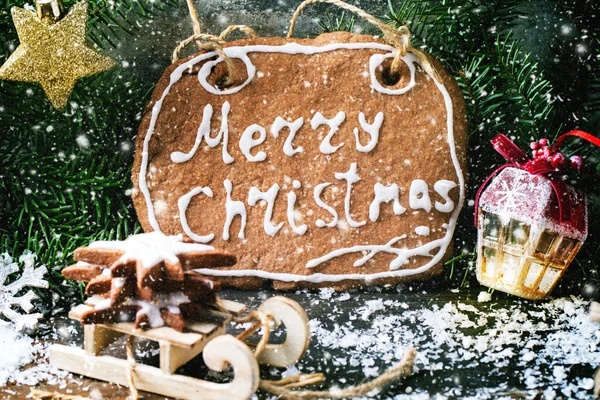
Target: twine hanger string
[
  {"x": 398, "y": 38},
  {"x": 208, "y": 42}
]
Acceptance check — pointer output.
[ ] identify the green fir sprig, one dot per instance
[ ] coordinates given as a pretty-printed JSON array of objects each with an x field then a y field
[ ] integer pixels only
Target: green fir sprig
[{"x": 334, "y": 23}]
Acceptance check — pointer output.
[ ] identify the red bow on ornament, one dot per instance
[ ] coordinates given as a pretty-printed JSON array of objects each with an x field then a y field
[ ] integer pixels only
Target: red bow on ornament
[{"x": 546, "y": 159}]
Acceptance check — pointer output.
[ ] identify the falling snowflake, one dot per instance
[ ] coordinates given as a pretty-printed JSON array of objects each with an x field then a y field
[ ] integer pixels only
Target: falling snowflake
[
  {"x": 512, "y": 196},
  {"x": 30, "y": 277}
]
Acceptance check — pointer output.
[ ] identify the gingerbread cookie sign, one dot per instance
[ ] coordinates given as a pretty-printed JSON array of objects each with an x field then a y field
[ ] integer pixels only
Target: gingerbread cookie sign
[{"x": 313, "y": 165}]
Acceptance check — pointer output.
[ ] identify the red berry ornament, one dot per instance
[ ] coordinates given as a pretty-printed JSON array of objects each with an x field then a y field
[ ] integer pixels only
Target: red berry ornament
[
  {"x": 546, "y": 152},
  {"x": 558, "y": 161},
  {"x": 534, "y": 145},
  {"x": 576, "y": 163}
]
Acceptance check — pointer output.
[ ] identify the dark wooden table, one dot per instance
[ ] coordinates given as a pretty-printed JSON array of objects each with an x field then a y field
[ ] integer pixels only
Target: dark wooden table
[{"x": 467, "y": 349}]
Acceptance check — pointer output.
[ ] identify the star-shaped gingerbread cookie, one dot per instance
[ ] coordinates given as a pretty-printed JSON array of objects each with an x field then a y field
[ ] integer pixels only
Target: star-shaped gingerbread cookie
[{"x": 147, "y": 278}]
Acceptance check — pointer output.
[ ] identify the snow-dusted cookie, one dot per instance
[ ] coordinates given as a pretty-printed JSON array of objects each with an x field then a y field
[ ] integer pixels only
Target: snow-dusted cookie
[
  {"x": 311, "y": 167},
  {"x": 146, "y": 279}
]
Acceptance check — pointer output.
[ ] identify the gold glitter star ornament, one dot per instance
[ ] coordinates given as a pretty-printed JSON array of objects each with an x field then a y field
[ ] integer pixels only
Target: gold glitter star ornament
[{"x": 53, "y": 53}]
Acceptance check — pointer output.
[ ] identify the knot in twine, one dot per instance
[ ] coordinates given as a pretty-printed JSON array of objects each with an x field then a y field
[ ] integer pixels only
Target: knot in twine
[
  {"x": 208, "y": 42},
  {"x": 260, "y": 320}
]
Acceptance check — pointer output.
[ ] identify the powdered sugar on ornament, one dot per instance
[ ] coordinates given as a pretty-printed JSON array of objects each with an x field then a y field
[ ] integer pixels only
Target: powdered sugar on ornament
[{"x": 512, "y": 197}]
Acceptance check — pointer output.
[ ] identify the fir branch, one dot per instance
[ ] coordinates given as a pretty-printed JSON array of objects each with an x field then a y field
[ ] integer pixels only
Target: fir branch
[
  {"x": 483, "y": 101},
  {"x": 458, "y": 269},
  {"x": 501, "y": 85},
  {"x": 64, "y": 175},
  {"x": 339, "y": 24},
  {"x": 526, "y": 92},
  {"x": 452, "y": 29},
  {"x": 591, "y": 106},
  {"x": 109, "y": 18},
  {"x": 418, "y": 15}
]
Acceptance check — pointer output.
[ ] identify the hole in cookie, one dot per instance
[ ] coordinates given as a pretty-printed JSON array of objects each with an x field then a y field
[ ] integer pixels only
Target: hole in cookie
[
  {"x": 221, "y": 78},
  {"x": 392, "y": 79}
]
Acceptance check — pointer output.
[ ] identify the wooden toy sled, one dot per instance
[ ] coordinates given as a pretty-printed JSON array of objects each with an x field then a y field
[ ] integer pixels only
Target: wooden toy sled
[{"x": 218, "y": 349}]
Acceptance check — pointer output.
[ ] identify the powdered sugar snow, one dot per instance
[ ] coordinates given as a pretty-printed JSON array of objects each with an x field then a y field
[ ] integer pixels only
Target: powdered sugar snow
[
  {"x": 18, "y": 350},
  {"x": 465, "y": 348}
]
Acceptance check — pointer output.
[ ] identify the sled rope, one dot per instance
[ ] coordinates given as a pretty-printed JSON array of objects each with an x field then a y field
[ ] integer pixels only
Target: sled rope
[
  {"x": 283, "y": 387},
  {"x": 131, "y": 360},
  {"x": 403, "y": 369}
]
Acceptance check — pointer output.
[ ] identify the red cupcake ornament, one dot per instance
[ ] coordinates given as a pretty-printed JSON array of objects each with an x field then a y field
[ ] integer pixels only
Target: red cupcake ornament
[{"x": 531, "y": 224}]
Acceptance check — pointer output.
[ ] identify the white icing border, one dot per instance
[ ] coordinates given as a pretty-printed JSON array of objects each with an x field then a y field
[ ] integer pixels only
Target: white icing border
[{"x": 295, "y": 48}]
